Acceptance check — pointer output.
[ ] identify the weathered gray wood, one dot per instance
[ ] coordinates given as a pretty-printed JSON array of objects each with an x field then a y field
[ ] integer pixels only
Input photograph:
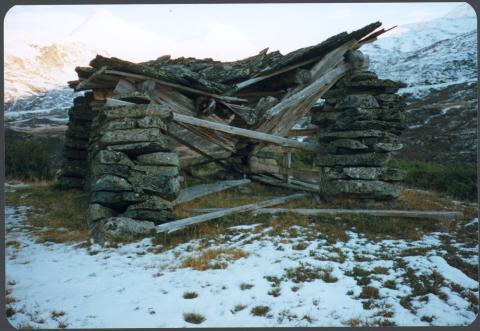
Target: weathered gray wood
[
  {"x": 180, "y": 224},
  {"x": 302, "y": 132},
  {"x": 177, "y": 86},
  {"x": 179, "y": 118},
  {"x": 441, "y": 215},
  {"x": 198, "y": 191},
  {"x": 294, "y": 186},
  {"x": 195, "y": 149},
  {"x": 283, "y": 116},
  {"x": 258, "y": 167},
  {"x": 111, "y": 102}
]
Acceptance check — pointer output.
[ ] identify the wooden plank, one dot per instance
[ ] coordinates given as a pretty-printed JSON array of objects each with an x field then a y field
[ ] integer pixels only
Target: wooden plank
[
  {"x": 196, "y": 149},
  {"x": 258, "y": 167},
  {"x": 286, "y": 142},
  {"x": 177, "y": 86},
  {"x": 302, "y": 132},
  {"x": 294, "y": 186},
  {"x": 440, "y": 215},
  {"x": 180, "y": 224},
  {"x": 198, "y": 191},
  {"x": 284, "y": 115}
]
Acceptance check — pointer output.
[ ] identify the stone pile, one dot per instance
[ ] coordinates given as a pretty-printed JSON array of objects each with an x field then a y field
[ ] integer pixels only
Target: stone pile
[
  {"x": 359, "y": 124},
  {"x": 133, "y": 170},
  {"x": 74, "y": 168}
]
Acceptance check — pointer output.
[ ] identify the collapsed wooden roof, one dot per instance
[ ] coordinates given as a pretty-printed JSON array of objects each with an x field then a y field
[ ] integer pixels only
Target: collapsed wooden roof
[{"x": 267, "y": 93}]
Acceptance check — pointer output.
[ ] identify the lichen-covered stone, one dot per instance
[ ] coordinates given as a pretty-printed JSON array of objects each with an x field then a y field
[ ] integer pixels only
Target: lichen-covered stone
[
  {"x": 329, "y": 136},
  {"x": 116, "y": 200},
  {"x": 120, "y": 229},
  {"x": 363, "y": 189},
  {"x": 96, "y": 212},
  {"x": 365, "y": 159},
  {"x": 159, "y": 158},
  {"x": 367, "y": 173},
  {"x": 111, "y": 183},
  {"x": 118, "y": 137},
  {"x": 357, "y": 100},
  {"x": 135, "y": 149},
  {"x": 156, "y": 216}
]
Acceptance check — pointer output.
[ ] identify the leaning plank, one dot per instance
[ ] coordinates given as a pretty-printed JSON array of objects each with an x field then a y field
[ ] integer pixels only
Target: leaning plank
[
  {"x": 442, "y": 215},
  {"x": 180, "y": 224},
  {"x": 198, "y": 191},
  {"x": 196, "y": 149},
  {"x": 285, "y": 142}
]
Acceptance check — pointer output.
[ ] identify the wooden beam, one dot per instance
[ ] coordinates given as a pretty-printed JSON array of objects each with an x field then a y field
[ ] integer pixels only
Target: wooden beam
[
  {"x": 196, "y": 149},
  {"x": 302, "y": 132},
  {"x": 198, "y": 191},
  {"x": 258, "y": 167},
  {"x": 440, "y": 215},
  {"x": 265, "y": 137},
  {"x": 180, "y": 224},
  {"x": 294, "y": 184},
  {"x": 284, "y": 115},
  {"x": 177, "y": 86}
]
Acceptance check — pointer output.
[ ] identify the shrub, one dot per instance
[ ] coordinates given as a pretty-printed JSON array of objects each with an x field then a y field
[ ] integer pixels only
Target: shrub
[
  {"x": 28, "y": 160},
  {"x": 457, "y": 180}
]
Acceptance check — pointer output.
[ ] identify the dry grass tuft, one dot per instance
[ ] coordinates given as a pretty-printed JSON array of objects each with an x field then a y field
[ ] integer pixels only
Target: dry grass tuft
[
  {"x": 193, "y": 318},
  {"x": 213, "y": 259},
  {"x": 260, "y": 310}
]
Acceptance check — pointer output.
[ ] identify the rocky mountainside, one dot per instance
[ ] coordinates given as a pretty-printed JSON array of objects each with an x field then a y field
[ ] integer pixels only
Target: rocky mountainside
[
  {"x": 438, "y": 61},
  {"x": 36, "y": 93}
]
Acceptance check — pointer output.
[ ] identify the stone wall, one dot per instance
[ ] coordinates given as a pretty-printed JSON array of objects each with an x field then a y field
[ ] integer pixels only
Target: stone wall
[
  {"x": 133, "y": 169},
  {"x": 75, "y": 168},
  {"x": 359, "y": 124}
]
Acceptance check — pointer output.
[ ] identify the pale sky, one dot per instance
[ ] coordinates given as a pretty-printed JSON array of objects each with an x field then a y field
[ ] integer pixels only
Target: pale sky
[{"x": 220, "y": 31}]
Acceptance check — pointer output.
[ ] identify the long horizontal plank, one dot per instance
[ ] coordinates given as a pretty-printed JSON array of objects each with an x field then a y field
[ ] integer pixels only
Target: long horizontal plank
[
  {"x": 294, "y": 186},
  {"x": 285, "y": 142},
  {"x": 180, "y": 224},
  {"x": 177, "y": 86},
  {"x": 442, "y": 215},
  {"x": 194, "y": 192}
]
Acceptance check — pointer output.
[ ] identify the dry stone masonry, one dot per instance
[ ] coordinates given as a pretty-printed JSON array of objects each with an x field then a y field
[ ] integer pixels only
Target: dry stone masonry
[
  {"x": 134, "y": 170},
  {"x": 359, "y": 123},
  {"x": 75, "y": 166}
]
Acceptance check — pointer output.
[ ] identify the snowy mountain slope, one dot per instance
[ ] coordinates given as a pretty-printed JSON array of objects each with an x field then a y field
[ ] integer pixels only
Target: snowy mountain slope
[
  {"x": 39, "y": 69},
  {"x": 410, "y": 37},
  {"x": 448, "y": 61},
  {"x": 438, "y": 61},
  {"x": 426, "y": 54}
]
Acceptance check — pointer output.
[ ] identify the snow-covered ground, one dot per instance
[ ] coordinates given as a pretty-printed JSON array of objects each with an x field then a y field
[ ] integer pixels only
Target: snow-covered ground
[{"x": 303, "y": 278}]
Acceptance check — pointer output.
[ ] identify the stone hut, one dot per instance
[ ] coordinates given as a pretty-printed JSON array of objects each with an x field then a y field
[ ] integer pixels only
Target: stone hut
[{"x": 119, "y": 147}]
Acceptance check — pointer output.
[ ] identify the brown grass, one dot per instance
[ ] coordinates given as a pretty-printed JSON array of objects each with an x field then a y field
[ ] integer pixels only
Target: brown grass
[
  {"x": 193, "y": 318},
  {"x": 60, "y": 212},
  {"x": 260, "y": 310},
  {"x": 213, "y": 259}
]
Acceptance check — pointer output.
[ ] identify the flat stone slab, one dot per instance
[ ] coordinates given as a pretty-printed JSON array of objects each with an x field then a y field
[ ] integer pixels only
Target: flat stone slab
[{"x": 119, "y": 229}]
